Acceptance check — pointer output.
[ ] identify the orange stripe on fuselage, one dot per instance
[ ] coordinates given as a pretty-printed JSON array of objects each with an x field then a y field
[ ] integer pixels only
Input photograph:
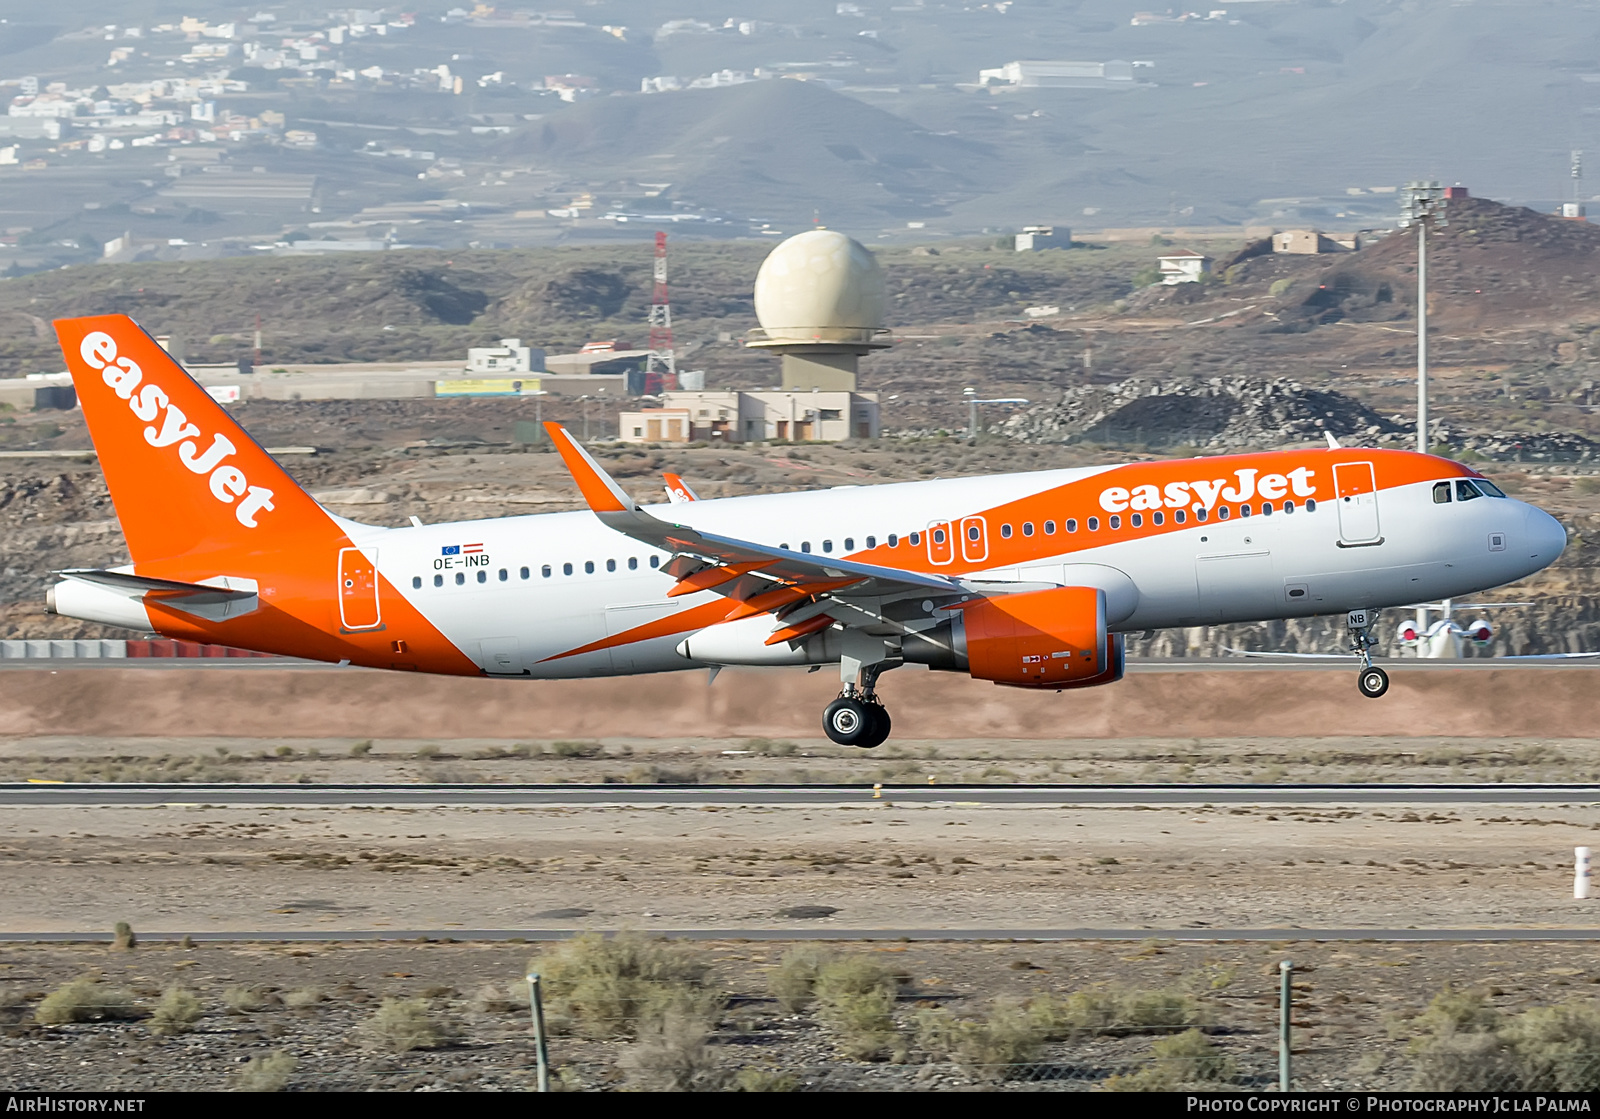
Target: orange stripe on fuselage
[{"x": 1086, "y": 498}]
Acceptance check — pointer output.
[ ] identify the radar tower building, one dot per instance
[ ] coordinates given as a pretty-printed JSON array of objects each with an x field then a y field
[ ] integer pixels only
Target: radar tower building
[{"x": 821, "y": 300}]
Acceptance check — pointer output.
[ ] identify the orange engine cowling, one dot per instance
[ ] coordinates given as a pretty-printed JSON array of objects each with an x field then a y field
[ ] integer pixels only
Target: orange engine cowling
[{"x": 1039, "y": 639}]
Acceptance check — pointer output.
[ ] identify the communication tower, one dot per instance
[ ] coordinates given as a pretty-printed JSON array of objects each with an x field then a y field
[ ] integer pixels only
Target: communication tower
[{"x": 661, "y": 367}]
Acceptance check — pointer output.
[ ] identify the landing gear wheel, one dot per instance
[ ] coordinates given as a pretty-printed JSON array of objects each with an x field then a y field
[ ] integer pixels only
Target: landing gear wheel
[
  {"x": 881, "y": 725},
  {"x": 849, "y": 722},
  {"x": 1373, "y": 681}
]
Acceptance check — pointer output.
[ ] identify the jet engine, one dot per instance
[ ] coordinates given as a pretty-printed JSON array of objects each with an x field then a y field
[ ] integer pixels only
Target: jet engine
[
  {"x": 1480, "y": 632},
  {"x": 1036, "y": 639}
]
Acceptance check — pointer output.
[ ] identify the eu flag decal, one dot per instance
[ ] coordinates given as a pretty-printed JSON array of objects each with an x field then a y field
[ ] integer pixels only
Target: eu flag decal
[{"x": 450, "y": 550}]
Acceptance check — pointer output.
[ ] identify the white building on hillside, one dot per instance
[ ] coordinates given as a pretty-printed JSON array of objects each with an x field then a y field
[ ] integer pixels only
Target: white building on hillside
[
  {"x": 1183, "y": 267},
  {"x": 754, "y": 417},
  {"x": 510, "y": 356}
]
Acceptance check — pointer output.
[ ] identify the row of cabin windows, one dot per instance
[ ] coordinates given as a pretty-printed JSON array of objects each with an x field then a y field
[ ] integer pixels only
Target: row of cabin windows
[
  {"x": 1135, "y": 520},
  {"x": 545, "y": 572}
]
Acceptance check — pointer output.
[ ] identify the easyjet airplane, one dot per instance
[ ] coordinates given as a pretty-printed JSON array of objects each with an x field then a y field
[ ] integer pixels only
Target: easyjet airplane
[{"x": 1029, "y": 580}]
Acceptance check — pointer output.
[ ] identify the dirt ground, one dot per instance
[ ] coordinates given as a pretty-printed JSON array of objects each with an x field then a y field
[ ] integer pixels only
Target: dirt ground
[
  {"x": 870, "y": 864},
  {"x": 1352, "y": 1002}
]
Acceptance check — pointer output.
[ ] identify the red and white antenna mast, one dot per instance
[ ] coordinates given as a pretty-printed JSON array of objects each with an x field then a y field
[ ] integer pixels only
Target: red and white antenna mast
[{"x": 661, "y": 367}]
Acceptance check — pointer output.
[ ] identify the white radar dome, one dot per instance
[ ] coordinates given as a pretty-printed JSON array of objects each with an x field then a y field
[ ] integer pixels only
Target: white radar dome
[{"x": 821, "y": 286}]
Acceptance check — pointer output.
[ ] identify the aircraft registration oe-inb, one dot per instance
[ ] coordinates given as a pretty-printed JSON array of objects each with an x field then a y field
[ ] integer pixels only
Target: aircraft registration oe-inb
[{"x": 1029, "y": 579}]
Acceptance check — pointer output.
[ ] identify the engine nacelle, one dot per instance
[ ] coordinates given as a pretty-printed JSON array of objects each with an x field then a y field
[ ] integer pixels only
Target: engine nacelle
[
  {"x": 1480, "y": 632},
  {"x": 1037, "y": 639},
  {"x": 1407, "y": 633}
]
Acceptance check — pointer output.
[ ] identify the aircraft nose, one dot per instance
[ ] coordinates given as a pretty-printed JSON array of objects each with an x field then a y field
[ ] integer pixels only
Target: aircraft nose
[{"x": 1546, "y": 537}]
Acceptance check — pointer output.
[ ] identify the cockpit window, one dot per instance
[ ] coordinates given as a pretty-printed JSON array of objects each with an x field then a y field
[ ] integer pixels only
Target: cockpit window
[
  {"x": 1441, "y": 493},
  {"x": 1487, "y": 487},
  {"x": 1465, "y": 490}
]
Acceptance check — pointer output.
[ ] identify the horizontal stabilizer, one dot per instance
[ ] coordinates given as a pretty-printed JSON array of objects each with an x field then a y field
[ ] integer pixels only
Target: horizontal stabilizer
[{"x": 215, "y": 599}]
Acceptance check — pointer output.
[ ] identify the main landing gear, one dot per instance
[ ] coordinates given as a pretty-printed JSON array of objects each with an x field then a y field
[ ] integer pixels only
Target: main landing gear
[
  {"x": 857, "y": 720},
  {"x": 1372, "y": 680},
  {"x": 858, "y": 717}
]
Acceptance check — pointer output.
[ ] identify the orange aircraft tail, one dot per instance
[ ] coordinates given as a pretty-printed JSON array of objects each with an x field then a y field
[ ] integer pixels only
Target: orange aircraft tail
[{"x": 186, "y": 480}]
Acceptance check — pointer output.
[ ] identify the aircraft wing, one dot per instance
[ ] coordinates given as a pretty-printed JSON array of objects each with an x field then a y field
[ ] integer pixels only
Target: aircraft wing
[{"x": 737, "y": 568}]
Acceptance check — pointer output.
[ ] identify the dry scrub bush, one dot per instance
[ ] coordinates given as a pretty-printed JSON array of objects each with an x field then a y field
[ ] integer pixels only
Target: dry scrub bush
[
  {"x": 499, "y": 998},
  {"x": 671, "y": 1055},
  {"x": 794, "y": 980},
  {"x": 763, "y": 1080},
  {"x": 1114, "y": 1011},
  {"x": 122, "y": 939},
  {"x": 1012, "y": 1033},
  {"x": 86, "y": 999},
  {"x": 269, "y": 1073},
  {"x": 1468, "y": 1046},
  {"x": 176, "y": 1013},
  {"x": 1185, "y": 1060},
  {"x": 606, "y": 988},
  {"x": 304, "y": 998},
  {"x": 855, "y": 999},
  {"x": 401, "y": 1025},
  {"x": 243, "y": 1000}
]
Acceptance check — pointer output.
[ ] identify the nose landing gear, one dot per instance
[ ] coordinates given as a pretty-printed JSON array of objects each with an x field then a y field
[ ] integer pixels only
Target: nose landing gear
[{"x": 1372, "y": 681}]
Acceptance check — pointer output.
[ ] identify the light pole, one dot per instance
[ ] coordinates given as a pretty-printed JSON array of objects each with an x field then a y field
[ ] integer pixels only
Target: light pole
[
  {"x": 583, "y": 401},
  {"x": 1422, "y": 203},
  {"x": 972, "y": 407}
]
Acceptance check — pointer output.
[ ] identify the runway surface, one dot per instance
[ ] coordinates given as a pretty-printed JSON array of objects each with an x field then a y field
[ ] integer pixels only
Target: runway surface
[
  {"x": 1287, "y": 935},
  {"x": 287, "y": 795}
]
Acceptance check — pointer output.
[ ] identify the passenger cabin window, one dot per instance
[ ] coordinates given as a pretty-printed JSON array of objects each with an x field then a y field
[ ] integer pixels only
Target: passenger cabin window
[
  {"x": 461, "y": 577},
  {"x": 483, "y": 576},
  {"x": 1157, "y": 518},
  {"x": 872, "y": 542},
  {"x": 1288, "y": 507},
  {"x": 1179, "y": 516},
  {"x": 1137, "y": 520},
  {"x": 972, "y": 532},
  {"x": 916, "y": 539},
  {"x": 894, "y": 540},
  {"x": 1311, "y": 505},
  {"x": 849, "y": 543},
  {"x": 827, "y": 545},
  {"x": 566, "y": 569},
  {"x": 1244, "y": 510},
  {"x": 416, "y": 582},
  {"x": 1222, "y": 512},
  {"x": 1266, "y": 508},
  {"x": 438, "y": 580},
  {"x": 1005, "y": 531},
  {"x": 1027, "y": 528},
  {"x": 588, "y": 567},
  {"x": 805, "y": 546},
  {"x": 504, "y": 575},
  {"x": 1050, "y": 527},
  {"x": 938, "y": 536},
  {"x": 1072, "y": 526},
  {"x": 1094, "y": 524},
  {"x": 1116, "y": 521},
  {"x": 1465, "y": 490},
  {"x": 1200, "y": 513},
  {"x": 655, "y": 560},
  {"x": 633, "y": 563},
  {"x": 544, "y": 572},
  {"x": 1441, "y": 493}
]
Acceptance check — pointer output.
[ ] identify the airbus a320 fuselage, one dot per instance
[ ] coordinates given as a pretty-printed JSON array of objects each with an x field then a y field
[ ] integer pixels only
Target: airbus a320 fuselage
[{"x": 1024, "y": 579}]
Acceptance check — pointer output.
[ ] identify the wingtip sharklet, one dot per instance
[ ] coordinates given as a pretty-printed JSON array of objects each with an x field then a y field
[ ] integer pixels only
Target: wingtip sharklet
[{"x": 599, "y": 490}]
